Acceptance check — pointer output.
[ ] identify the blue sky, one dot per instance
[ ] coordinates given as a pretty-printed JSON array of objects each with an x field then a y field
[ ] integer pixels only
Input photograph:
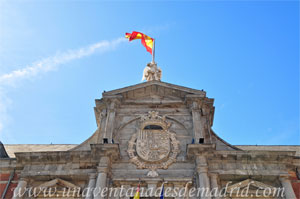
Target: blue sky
[{"x": 56, "y": 57}]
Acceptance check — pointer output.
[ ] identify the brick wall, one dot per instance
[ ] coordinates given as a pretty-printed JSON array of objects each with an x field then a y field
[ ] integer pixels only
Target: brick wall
[
  {"x": 4, "y": 177},
  {"x": 296, "y": 186},
  {"x": 295, "y": 183}
]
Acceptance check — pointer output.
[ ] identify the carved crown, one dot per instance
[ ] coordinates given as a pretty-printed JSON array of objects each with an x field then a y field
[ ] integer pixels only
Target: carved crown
[{"x": 154, "y": 119}]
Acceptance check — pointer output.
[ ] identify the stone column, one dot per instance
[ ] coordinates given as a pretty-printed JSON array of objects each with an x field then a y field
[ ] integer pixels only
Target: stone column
[
  {"x": 288, "y": 189},
  {"x": 214, "y": 185},
  {"x": 91, "y": 186},
  {"x": 101, "y": 178},
  {"x": 20, "y": 190},
  {"x": 198, "y": 129},
  {"x": 100, "y": 185},
  {"x": 178, "y": 186},
  {"x": 152, "y": 184},
  {"x": 123, "y": 196},
  {"x": 204, "y": 182},
  {"x": 116, "y": 192}
]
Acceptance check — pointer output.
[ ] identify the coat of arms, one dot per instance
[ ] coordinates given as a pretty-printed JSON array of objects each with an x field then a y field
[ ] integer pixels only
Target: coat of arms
[{"x": 153, "y": 146}]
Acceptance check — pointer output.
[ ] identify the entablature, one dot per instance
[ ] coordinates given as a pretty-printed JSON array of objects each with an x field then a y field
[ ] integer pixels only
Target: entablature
[{"x": 62, "y": 157}]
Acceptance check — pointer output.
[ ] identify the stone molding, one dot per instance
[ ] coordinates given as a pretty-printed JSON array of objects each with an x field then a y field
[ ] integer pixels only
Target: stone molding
[
  {"x": 105, "y": 150},
  {"x": 199, "y": 149}
]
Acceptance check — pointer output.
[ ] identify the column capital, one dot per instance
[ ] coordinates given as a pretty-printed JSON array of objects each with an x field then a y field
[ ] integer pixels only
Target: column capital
[
  {"x": 214, "y": 175},
  {"x": 23, "y": 179},
  {"x": 112, "y": 101},
  {"x": 201, "y": 160},
  {"x": 152, "y": 180},
  {"x": 92, "y": 176},
  {"x": 202, "y": 169},
  {"x": 178, "y": 184},
  {"x": 284, "y": 178},
  {"x": 194, "y": 106},
  {"x": 104, "y": 165},
  {"x": 102, "y": 169}
]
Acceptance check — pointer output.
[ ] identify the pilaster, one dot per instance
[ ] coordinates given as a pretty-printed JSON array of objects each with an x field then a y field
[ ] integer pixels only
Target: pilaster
[
  {"x": 215, "y": 188},
  {"x": 20, "y": 190},
  {"x": 202, "y": 170},
  {"x": 112, "y": 105},
  {"x": 178, "y": 186},
  {"x": 101, "y": 183},
  {"x": 91, "y": 186},
  {"x": 107, "y": 153},
  {"x": 200, "y": 151},
  {"x": 202, "y": 113},
  {"x": 288, "y": 189},
  {"x": 198, "y": 129}
]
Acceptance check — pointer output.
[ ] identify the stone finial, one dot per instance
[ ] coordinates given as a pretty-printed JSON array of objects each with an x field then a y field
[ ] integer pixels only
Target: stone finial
[{"x": 152, "y": 72}]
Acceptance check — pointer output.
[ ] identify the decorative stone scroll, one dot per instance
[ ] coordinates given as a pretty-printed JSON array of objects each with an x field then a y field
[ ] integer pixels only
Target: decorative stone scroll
[{"x": 153, "y": 146}]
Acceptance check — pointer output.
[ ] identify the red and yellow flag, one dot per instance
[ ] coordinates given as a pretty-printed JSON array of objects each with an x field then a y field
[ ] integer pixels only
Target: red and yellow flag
[
  {"x": 146, "y": 40},
  {"x": 137, "y": 194}
]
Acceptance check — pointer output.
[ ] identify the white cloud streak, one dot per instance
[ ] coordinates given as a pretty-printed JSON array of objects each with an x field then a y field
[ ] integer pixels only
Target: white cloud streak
[
  {"x": 41, "y": 67},
  {"x": 53, "y": 62}
]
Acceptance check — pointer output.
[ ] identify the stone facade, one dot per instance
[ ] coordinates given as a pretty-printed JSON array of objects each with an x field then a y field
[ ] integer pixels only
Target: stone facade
[{"x": 148, "y": 134}]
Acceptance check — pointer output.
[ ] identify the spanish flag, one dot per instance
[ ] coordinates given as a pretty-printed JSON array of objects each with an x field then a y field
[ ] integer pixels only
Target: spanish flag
[
  {"x": 146, "y": 40},
  {"x": 137, "y": 194}
]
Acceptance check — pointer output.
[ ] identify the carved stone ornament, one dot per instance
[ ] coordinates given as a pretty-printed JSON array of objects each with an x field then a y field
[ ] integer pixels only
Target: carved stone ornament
[
  {"x": 152, "y": 72},
  {"x": 153, "y": 146}
]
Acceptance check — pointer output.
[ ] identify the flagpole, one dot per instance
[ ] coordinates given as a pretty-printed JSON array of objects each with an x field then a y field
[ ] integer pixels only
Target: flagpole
[
  {"x": 153, "y": 52},
  {"x": 162, "y": 194}
]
